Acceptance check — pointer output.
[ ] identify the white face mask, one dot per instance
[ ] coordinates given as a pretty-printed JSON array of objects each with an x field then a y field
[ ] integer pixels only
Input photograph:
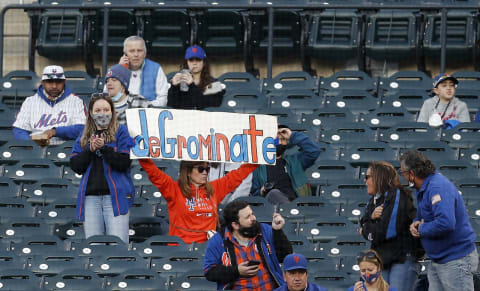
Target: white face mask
[{"x": 435, "y": 120}]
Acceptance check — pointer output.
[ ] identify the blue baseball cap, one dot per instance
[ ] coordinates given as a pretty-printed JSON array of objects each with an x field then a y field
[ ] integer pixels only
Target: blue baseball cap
[
  {"x": 120, "y": 73},
  {"x": 294, "y": 262},
  {"x": 443, "y": 77},
  {"x": 195, "y": 51}
]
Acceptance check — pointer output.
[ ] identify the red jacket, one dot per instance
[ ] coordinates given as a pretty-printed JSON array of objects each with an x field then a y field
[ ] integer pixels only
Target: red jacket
[{"x": 200, "y": 212}]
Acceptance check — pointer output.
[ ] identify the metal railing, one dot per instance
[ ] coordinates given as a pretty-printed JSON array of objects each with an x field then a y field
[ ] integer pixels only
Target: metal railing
[{"x": 269, "y": 8}]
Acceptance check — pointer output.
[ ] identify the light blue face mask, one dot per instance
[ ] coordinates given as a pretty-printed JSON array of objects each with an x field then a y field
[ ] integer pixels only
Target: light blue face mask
[{"x": 117, "y": 97}]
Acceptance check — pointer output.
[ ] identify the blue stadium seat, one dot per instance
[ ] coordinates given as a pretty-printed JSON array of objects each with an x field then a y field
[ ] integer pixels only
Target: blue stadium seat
[
  {"x": 142, "y": 228},
  {"x": 31, "y": 170},
  {"x": 15, "y": 208},
  {"x": 18, "y": 228},
  {"x": 8, "y": 189},
  {"x": 358, "y": 102},
  {"x": 471, "y": 155},
  {"x": 307, "y": 209},
  {"x": 434, "y": 150},
  {"x": 99, "y": 245},
  {"x": 159, "y": 245},
  {"x": 152, "y": 195},
  {"x": 240, "y": 81},
  {"x": 244, "y": 101},
  {"x": 299, "y": 101},
  {"x": 193, "y": 280},
  {"x": 406, "y": 80},
  {"x": 463, "y": 136},
  {"x": 387, "y": 116},
  {"x": 349, "y": 132},
  {"x": 327, "y": 229},
  {"x": 20, "y": 80},
  {"x": 48, "y": 265},
  {"x": 409, "y": 131},
  {"x": 61, "y": 211},
  {"x": 114, "y": 264},
  {"x": 72, "y": 229},
  {"x": 410, "y": 100},
  {"x": 333, "y": 280},
  {"x": 81, "y": 84},
  {"x": 345, "y": 191},
  {"x": 347, "y": 80},
  {"x": 74, "y": 279},
  {"x": 45, "y": 191},
  {"x": 328, "y": 117},
  {"x": 9, "y": 260},
  {"x": 456, "y": 169},
  {"x": 38, "y": 245},
  {"x": 136, "y": 279},
  {"x": 467, "y": 80},
  {"x": 290, "y": 80},
  {"x": 16, "y": 150},
  {"x": 360, "y": 154},
  {"x": 60, "y": 154},
  {"x": 19, "y": 279},
  {"x": 331, "y": 170},
  {"x": 471, "y": 98},
  {"x": 176, "y": 264}
]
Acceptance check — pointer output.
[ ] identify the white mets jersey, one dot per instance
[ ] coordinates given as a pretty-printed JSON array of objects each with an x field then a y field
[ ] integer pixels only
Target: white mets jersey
[{"x": 37, "y": 114}]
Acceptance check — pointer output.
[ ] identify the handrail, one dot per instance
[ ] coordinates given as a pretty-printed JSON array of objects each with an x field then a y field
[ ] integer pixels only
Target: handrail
[{"x": 270, "y": 8}]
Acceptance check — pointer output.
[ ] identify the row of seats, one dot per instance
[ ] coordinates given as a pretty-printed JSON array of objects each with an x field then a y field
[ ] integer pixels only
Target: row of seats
[{"x": 385, "y": 34}]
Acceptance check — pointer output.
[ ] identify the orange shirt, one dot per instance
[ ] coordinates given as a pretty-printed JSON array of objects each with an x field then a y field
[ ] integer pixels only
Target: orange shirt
[{"x": 199, "y": 212}]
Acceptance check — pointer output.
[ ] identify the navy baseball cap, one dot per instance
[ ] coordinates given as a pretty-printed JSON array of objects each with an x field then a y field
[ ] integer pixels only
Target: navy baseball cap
[
  {"x": 120, "y": 73},
  {"x": 195, "y": 51},
  {"x": 442, "y": 77},
  {"x": 294, "y": 262}
]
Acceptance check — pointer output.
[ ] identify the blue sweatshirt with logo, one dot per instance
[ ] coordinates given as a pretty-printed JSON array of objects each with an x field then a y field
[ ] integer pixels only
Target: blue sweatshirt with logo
[{"x": 446, "y": 233}]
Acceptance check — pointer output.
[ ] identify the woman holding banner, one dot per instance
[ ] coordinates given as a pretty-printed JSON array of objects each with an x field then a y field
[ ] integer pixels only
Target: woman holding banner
[
  {"x": 101, "y": 155},
  {"x": 193, "y": 87},
  {"x": 193, "y": 200}
]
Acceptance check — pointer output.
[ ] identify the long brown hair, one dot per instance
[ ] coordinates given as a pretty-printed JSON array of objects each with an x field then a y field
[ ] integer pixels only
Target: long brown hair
[
  {"x": 377, "y": 261},
  {"x": 385, "y": 178},
  {"x": 184, "y": 182},
  {"x": 205, "y": 77},
  {"x": 90, "y": 126}
]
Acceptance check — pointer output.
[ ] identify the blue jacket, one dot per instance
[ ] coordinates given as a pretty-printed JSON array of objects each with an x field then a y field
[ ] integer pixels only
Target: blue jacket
[
  {"x": 296, "y": 165},
  {"x": 120, "y": 184},
  {"x": 310, "y": 287},
  {"x": 65, "y": 132},
  {"x": 389, "y": 289},
  {"x": 219, "y": 259},
  {"x": 446, "y": 233},
  {"x": 149, "y": 79}
]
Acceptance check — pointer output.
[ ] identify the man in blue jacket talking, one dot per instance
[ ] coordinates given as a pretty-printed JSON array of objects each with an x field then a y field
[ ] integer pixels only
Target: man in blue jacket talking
[{"x": 442, "y": 224}]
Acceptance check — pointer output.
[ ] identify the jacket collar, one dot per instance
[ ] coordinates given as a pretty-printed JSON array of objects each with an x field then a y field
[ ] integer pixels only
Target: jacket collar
[{"x": 66, "y": 92}]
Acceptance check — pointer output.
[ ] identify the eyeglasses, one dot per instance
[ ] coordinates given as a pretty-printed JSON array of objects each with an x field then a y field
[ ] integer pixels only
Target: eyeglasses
[
  {"x": 55, "y": 76},
  {"x": 367, "y": 177},
  {"x": 99, "y": 95},
  {"x": 200, "y": 169},
  {"x": 369, "y": 255}
]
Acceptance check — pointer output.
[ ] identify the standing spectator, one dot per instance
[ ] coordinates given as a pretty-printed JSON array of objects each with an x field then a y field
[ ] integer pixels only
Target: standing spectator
[
  {"x": 386, "y": 224},
  {"x": 371, "y": 268},
  {"x": 444, "y": 108},
  {"x": 286, "y": 180},
  {"x": 53, "y": 111},
  {"x": 201, "y": 90},
  {"x": 245, "y": 254},
  {"x": 101, "y": 156},
  {"x": 148, "y": 78},
  {"x": 117, "y": 81},
  {"x": 296, "y": 275},
  {"x": 193, "y": 200},
  {"x": 442, "y": 224}
]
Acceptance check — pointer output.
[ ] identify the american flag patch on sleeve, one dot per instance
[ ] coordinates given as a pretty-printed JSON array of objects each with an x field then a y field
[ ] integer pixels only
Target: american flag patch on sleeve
[{"x": 436, "y": 198}]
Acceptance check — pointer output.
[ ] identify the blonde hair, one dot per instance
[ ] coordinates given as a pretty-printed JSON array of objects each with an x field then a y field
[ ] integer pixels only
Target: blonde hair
[
  {"x": 91, "y": 127},
  {"x": 377, "y": 261}
]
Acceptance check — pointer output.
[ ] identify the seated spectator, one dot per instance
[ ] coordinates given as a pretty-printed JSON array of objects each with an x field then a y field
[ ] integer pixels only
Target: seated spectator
[
  {"x": 53, "y": 111},
  {"x": 371, "y": 267},
  {"x": 245, "y": 254},
  {"x": 286, "y": 180},
  {"x": 200, "y": 89},
  {"x": 444, "y": 109},
  {"x": 296, "y": 275},
  {"x": 386, "y": 224},
  {"x": 101, "y": 156},
  {"x": 117, "y": 81},
  {"x": 193, "y": 200},
  {"x": 219, "y": 170},
  {"x": 148, "y": 78}
]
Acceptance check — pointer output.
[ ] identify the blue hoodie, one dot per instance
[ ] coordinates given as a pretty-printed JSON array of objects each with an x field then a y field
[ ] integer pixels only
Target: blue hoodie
[
  {"x": 446, "y": 233},
  {"x": 120, "y": 184},
  {"x": 310, "y": 287}
]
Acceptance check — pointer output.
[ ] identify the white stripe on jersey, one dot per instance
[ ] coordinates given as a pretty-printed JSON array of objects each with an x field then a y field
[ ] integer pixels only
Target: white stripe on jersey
[{"x": 36, "y": 115}]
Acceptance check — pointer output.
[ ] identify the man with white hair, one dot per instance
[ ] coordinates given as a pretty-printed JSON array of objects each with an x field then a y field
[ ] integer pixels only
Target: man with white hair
[
  {"x": 54, "y": 112},
  {"x": 148, "y": 78}
]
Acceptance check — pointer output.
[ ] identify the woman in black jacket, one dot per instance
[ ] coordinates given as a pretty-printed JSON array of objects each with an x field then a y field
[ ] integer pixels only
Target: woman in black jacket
[
  {"x": 193, "y": 87},
  {"x": 386, "y": 222}
]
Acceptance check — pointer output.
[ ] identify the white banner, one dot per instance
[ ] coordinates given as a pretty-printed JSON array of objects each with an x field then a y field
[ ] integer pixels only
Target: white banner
[{"x": 202, "y": 136}]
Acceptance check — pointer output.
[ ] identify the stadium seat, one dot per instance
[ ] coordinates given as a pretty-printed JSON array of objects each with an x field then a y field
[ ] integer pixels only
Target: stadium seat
[
  {"x": 15, "y": 229},
  {"x": 299, "y": 101},
  {"x": 328, "y": 117},
  {"x": 81, "y": 84},
  {"x": 38, "y": 245},
  {"x": 8, "y": 189},
  {"x": 9, "y": 260},
  {"x": 141, "y": 208},
  {"x": 456, "y": 169},
  {"x": 260, "y": 206},
  {"x": 193, "y": 280},
  {"x": 15, "y": 208},
  {"x": 333, "y": 280},
  {"x": 406, "y": 80},
  {"x": 326, "y": 229},
  {"x": 20, "y": 80},
  {"x": 336, "y": 34},
  {"x": 345, "y": 191},
  {"x": 360, "y": 154},
  {"x": 306, "y": 209},
  {"x": 463, "y": 136},
  {"x": 408, "y": 99},
  {"x": 45, "y": 191},
  {"x": 52, "y": 264},
  {"x": 16, "y": 150},
  {"x": 331, "y": 170},
  {"x": 471, "y": 155},
  {"x": 99, "y": 245},
  {"x": 290, "y": 80},
  {"x": 69, "y": 174},
  {"x": 61, "y": 210},
  {"x": 136, "y": 279},
  {"x": 392, "y": 34},
  {"x": 114, "y": 264},
  {"x": 469, "y": 189},
  {"x": 349, "y": 132},
  {"x": 31, "y": 170},
  {"x": 459, "y": 37},
  {"x": 74, "y": 279},
  {"x": 467, "y": 80},
  {"x": 244, "y": 101},
  {"x": 19, "y": 279},
  {"x": 159, "y": 245},
  {"x": 176, "y": 264},
  {"x": 387, "y": 115},
  {"x": 284, "y": 115},
  {"x": 240, "y": 81},
  {"x": 166, "y": 31},
  {"x": 358, "y": 102},
  {"x": 471, "y": 98},
  {"x": 72, "y": 229},
  {"x": 346, "y": 80},
  {"x": 409, "y": 131},
  {"x": 151, "y": 194},
  {"x": 434, "y": 150},
  {"x": 60, "y": 154},
  {"x": 142, "y": 228}
]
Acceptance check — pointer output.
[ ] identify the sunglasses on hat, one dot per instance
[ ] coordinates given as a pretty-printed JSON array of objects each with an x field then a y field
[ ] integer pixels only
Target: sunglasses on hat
[
  {"x": 369, "y": 255},
  {"x": 200, "y": 169},
  {"x": 54, "y": 76}
]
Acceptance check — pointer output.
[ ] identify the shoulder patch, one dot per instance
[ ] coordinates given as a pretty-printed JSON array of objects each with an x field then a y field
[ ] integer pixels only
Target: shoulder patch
[{"x": 436, "y": 198}]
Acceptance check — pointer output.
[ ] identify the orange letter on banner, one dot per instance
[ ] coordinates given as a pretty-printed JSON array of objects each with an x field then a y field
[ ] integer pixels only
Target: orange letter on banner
[
  {"x": 182, "y": 143},
  {"x": 154, "y": 142},
  {"x": 253, "y": 132},
  {"x": 221, "y": 137},
  {"x": 207, "y": 143}
]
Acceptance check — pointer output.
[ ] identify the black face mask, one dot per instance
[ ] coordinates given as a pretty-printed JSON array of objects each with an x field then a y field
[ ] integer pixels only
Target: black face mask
[
  {"x": 251, "y": 231},
  {"x": 281, "y": 149}
]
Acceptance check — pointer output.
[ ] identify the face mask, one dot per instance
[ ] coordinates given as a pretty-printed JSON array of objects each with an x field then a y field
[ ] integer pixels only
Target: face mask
[
  {"x": 102, "y": 119},
  {"x": 251, "y": 231},
  {"x": 117, "y": 97},
  {"x": 371, "y": 278},
  {"x": 281, "y": 149}
]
